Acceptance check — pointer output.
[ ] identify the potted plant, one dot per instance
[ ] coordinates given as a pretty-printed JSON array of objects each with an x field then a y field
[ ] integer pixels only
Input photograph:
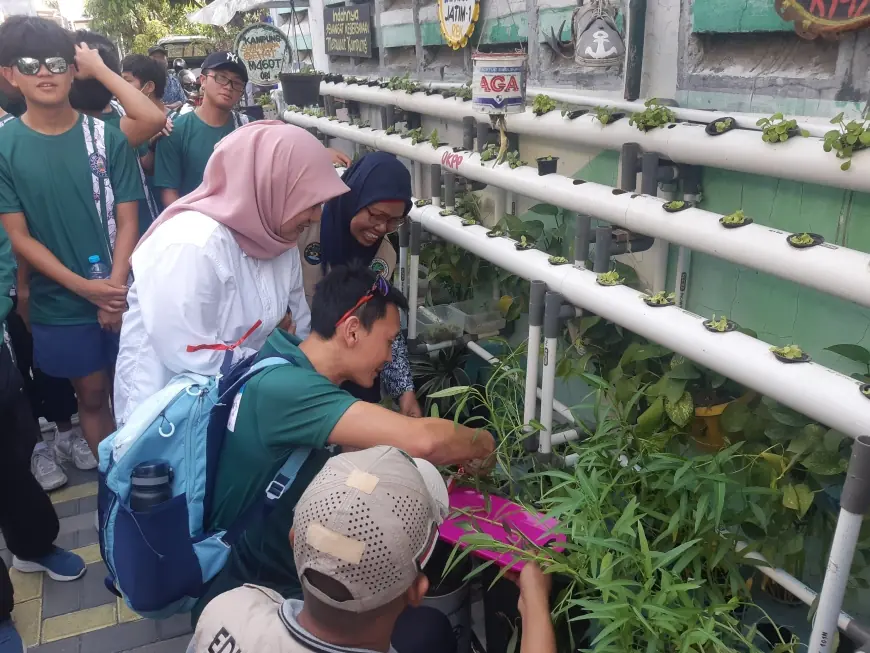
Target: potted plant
[
  {"x": 496, "y": 232},
  {"x": 659, "y": 299},
  {"x": 557, "y": 260},
  {"x": 469, "y": 222},
  {"x": 433, "y": 140},
  {"x": 655, "y": 115},
  {"x": 421, "y": 203},
  {"x": 547, "y": 165},
  {"x": 805, "y": 240},
  {"x": 524, "y": 243},
  {"x": 513, "y": 160},
  {"x": 675, "y": 206},
  {"x": 735, "y": 220},
  {"x": 572, "y": 114},
  {"x": 416, "y": 135},
  {"x": 303, "y": 88},
  {"x": 790, "y": 354},
  {"x": 847, "y": 138},
  {"x": 777, "y": 129},
  {"x": 543, "y": 104},
  {"x": 489, "y": 153},
  {"x": 607, "y": 115},
  {"x": 389, "y": 131},
  {"x": 610, "y": 278},
  {"x": 445, "y": 212},
  {"x": 722, "y": 325},
  {"x": 718, "y": 127}
]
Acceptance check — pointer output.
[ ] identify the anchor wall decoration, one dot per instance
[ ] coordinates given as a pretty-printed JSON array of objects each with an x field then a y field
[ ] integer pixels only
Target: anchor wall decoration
[{"x": 595, "y": 39}]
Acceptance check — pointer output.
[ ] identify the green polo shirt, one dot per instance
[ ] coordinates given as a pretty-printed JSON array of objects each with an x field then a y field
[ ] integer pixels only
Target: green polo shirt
[
  {"x": 7, "y": 276},
  {"x": 68, "y": 196},
  {"x": 180, "y": 159}
]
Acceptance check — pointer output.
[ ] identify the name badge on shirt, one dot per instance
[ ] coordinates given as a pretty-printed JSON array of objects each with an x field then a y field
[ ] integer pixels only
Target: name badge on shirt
[{"x": 234, "y": 411}]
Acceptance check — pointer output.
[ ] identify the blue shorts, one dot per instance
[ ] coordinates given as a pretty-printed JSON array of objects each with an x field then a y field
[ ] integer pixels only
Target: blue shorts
[{"x": 73, "y": 351}]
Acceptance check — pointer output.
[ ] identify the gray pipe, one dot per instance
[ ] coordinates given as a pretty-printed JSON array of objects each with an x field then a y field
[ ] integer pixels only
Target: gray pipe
[
  {"x": 628, "y": 166},
  {"x": 582, "y": 227},
  {"x": 482, "y": 135},
  {"x": 552, "y": 308},
  {"x": 468, "y": 130},
  {"x": 691, "y": 176},
  {"x": 536, "y": 303},
  {"x": 391, "y": 115},
  {"x": 603, "y": 243},
  {"x": 416, "y": 230},
  {"x": 649, "y": 173},
  {"x": 384, "y": 118},
  {"x": 450, "y": 189},
  {"x": 435, "y": 183},
  {"x": 404, "y": 235}
]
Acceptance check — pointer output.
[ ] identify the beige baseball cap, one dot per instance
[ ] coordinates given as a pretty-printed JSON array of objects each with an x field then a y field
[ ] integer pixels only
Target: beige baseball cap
[{"x": 369, "y": 520}]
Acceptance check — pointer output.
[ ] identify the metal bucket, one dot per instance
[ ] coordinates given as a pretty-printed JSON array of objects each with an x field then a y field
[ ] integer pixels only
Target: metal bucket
[
  {"x": 451, "y": 596},
  {"x": 499, "y": 83}
]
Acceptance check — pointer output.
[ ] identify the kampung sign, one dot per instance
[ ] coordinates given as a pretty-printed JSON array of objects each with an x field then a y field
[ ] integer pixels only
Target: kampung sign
[
  {"x": 457, "y": 19},
  {"x": 348, "y": 30},
  {"x": 265, "y": 51},
  {"x": 825, "y": 18}
]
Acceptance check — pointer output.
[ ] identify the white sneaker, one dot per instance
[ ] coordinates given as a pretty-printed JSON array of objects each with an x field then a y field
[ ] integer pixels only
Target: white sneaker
[
  {"x": 75, "y": 449},
  {"x": 45, "y": 469}
]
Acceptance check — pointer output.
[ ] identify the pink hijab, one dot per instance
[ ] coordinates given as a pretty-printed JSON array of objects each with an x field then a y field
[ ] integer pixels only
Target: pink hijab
[{"x": 261, "y": 176}]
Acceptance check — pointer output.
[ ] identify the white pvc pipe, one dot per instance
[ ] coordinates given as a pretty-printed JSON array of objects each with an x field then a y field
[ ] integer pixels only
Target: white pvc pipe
[
  {"x": 818, "y": 392},
  {"x": 530, "y": 403},
  {"x": 843, "y": 547},
  {"x": 412, "y": 296},
  {"x": 403, "y": 267},
  {"x": 548, "y": 389},
  {"x": 565, "y": 436},
  {"x": 838, "y": 271},
  {"x": 801, "y": 159},
  {"x": 418, "y": 178},
  {"x": 499, "y": 203},
  {"x": 684, "y": 262}
]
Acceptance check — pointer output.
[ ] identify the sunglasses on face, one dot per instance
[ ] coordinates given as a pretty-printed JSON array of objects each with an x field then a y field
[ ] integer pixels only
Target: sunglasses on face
[
  {"x": 31, "y": 66},
  {"x": 225, "y": 81},
  {"x": 380, "y": 286}
]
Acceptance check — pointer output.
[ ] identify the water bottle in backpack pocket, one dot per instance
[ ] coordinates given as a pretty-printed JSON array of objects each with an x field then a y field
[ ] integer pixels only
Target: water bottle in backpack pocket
[{"x": 156, "y": 477}]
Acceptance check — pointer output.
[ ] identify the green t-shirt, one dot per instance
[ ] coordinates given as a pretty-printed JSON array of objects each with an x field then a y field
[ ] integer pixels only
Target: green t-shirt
[
  {"x": 281, "y": 408},
  {"x": 180, "y": 159},
  {"x": 7, "y": 277},
  {"x": 68, "y": 195}
]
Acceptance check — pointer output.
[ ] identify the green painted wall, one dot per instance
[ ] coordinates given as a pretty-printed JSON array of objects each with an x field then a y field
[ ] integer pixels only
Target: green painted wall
[{"x": 737, "y": 16}]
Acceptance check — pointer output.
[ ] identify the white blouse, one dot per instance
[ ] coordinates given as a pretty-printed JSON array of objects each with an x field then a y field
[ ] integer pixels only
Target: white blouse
[{"x": 195, "y": 286}]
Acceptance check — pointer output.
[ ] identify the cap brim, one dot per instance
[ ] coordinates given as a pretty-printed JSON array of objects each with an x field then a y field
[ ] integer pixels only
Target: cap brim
[{"x": 437, "y": 487}]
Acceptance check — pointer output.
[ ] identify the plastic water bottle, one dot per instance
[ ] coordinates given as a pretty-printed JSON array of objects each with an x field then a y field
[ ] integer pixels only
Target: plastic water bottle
[{"x": 97, "y": 269}]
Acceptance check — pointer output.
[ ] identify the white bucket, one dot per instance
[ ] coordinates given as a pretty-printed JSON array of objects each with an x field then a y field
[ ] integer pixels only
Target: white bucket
[{"x": 499, "y": 83}]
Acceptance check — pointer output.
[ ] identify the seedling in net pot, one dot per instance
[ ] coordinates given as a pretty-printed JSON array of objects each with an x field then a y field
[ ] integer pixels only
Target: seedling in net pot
[
  {"x": 611, "y": 278},
  {"x": 543, "y": 104},
  {"x": 497, "y": 232},
  {"x": 655, "y": 115},
  {"x": 389, "y": 131},
  {"x": 675, "y": 206},
  {"x": 513, "y": 160},
  {"x": 734, "y": 220},
  {"x": 490, "y": 152},
  {"x": 777, "y": 129},
  {"x": 524, "y": 243},
  {"x": 606, "y": 115},
  {"x": 847, "y": 139},
  {"x": 723, "y": 125},
  {"x": 804, "y": 240},
  {"x": 433, "y": 139},
  {"x": 468, "y": 222},
  {"x": 662, "y": 298},
  {"x": 422, "y": 203},
  {"x": 557, "y": 260},
  {"x": 790, "y": 354},
  {"x": 721, "y": 325},
  {"x": 416, "y": 135},
  {"x": 464, "y": 93}
]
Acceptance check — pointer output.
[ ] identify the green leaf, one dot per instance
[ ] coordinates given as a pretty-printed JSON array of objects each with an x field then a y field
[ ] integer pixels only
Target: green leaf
[
  {"x": 450, "y": 392},
  {"x": 734, "y": 417},
  {"x": 651, "y": 418},
  {"x": 846, "y": 165},
  {"x": 825, "y": 463},
  {"x": 681, "y": 411},
  {"x": 832, "y": 440},
  {"x": 684, "y": 371},
  {"x": 852, "y": 352}
]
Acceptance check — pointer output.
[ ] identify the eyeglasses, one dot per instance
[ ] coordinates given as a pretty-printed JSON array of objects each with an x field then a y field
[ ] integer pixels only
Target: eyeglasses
[
  {"x": 31, "y": 66},
  {"x": 384, "y": 220},
  {"x": 380, "y": 286},
  {"x": 225, "y": 81}
]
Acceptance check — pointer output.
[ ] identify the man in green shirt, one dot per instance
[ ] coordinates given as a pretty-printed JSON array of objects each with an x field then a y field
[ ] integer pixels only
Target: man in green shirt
[
  {"x": 353, "y": 324},
  {"x": 181, "y": 157},
  {"x": 69, "y": 188}
]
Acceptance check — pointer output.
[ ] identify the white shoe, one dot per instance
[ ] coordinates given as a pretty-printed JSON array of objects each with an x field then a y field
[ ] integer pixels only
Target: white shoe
[
  {"x": 45, "y": 469},
  {"x": 75, "y": 449}
]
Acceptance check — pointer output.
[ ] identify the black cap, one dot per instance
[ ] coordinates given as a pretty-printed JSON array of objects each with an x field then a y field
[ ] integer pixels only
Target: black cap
[
  {"x": 156, "y": 48},
  {"x": 226, "y": 60}
]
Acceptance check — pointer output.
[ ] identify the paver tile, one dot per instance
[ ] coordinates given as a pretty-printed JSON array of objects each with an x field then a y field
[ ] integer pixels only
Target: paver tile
[
  {"x": 71, "y": 645},
  {"x": 90, "y": 553},
  {"x": 174, "y": 626},
  {"x": 61, "y": 597},
  {"x": 94, "y": 590},
  {"x": 73, "y": 492},
  {"x": 27, "y": 586},
  {"x": 122, "y": 637},
  {"x": 78, "y": 623},
  {"x": 176, "y": 645},
  {"x": 27, "y": 620},
  {"x": 125, "y": 614}
]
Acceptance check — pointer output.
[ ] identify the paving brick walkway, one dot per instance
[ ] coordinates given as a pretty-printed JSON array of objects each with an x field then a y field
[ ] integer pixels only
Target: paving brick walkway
[{"x": 83, "y": 616}]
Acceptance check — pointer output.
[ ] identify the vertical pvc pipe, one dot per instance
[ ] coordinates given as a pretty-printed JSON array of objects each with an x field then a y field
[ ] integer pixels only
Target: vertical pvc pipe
[
  {"x": 582, "y": 227},
  {"x": 482, "y": 135},
  {"x": 500, "y": 197},
  {"x": 404, "y": 242},
  {"x": 603, "y": 240},
  {"x": 414, "y": 273},
  {"x": 469, "y": 128},
  {"x": 552, "y": 304},
  {"x": 435, "y": 183},
  {"x": 854, "y": 504},
  {"x": 385, "y": 118},
  {"x": 390, "y": 115},
  {"x": 628, "y": 166},
  {"x": 509, "y": 203},
  {"x": 450, "y": 190},
  {"x": 536, "y": 321},
  {"x": 691, "y": 176},
  {"x": 417, "y": 181}
]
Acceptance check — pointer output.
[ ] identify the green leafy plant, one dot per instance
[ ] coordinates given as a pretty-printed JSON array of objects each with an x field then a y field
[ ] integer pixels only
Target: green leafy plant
[
  {"x": 464, "y": 92},
  {"x": 433, "y": 139},
  {"x": 467, "y": 206},
  {"x": 293, "y": 107},
  {"x": 514, "y": 161},
  {"x": 557, "y": 260},
  {"x": 496, "y": 232},
  {"x": 469, "y": 222},
  {"x": 801, "y": 239},
  {"x": 543, "y": 104},
  {"x": 264, "y": 100},
  {"x": 661, "y": 298},
  {"x": 722, "y": 125},
  {"x": 332, "y": 118},
  {"x": 738, "y": 217},
  {"x": 777, "y": 129},
  {"x": 315, "y": 112},
  {"x": 655, "y": 115},
  {"x": 673, "y": 205},
  {"x": 720, "y": 325},
  {"x": 422, "y": 203},
  {"x": 610, "y": 278},
  {"x": 489, "y": 153},
  {"x": 389, "y": 131},
  {"x": 416, "y": 135},
  {"x": 857, "y": 354},
  {"x": 791, "y": 352},
  {"x": 545, "y": 158},
  {"x": 604, "y": 114},
  {"x": 847, "y": 138}
]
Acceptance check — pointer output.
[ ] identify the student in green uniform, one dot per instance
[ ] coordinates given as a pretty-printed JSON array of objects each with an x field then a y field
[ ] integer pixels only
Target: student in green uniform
[
  {"x": 353, "y": 324},
  {"x": 69, "y": 187},
  {"x": 181, "y": 157}
]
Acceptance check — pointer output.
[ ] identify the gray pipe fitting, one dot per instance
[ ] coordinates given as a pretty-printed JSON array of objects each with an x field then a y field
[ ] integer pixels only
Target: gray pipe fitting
[
  {"x": 449, "y": 189},
  {"x": 856, "y": 491},
  {"x": 435, "y": 181},
  {"x": 649, "y": 173},
  {"x": 468, "y": 131},
  {"x": 628, "y": 166},
  {"x": 414, "y": 120},
  {"x": 405, "y": 235},
  {"x": 582, "y": 227},
  {"x": 482, "y": 135},
  {"x": 552, "y": 308},
  {"x": 603, "y": 242},
  {"x": 391, "y": 115},
  {"x": 536, "y": 303},
  {"x": 384, "y": 118},
  {"x": 416, "y": 230}
]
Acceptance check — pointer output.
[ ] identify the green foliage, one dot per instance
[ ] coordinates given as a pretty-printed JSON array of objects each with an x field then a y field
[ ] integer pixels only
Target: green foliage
[
  {"x": 514, "y": 161},
  {"x": 847, "y": 138},
  {"x": 557, "y": 260},
  {"x": 464, "y": 92},
  {"x": 738, "y": 217},
  {"x": 422, "y": 203},
  {"x": 857, "y": 354},
  {"x": 543, "y": 104},
  {"x": 604, "y": 114},
  {"x": 404, "y": 83},
  {"x": 777, "y": 129},
  {"x": 655, "y": 115},
  {"x": 791, "y": 352},
  {"x": 610, "y": 278},
  {"x": 416, "y": 135},
  {"x": 721, "y": 125},
  {"x": 433, "y": 139},
  {"x": 720, "y": 325},
  {"x": 673, "y": 205},
  {"x": 489, "y": 153},
  {"x": 662, "y": 298},
  {"x": 801, "y": 239}
]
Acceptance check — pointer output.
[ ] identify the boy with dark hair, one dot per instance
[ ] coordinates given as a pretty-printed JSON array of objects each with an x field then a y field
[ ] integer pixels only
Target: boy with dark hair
[
  {"x": 68, "y": 192},
  {"x": 353, "y": 324}
]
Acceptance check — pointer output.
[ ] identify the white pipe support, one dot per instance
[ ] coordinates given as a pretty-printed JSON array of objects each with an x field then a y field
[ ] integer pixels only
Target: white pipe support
[
  {"x": 417, "y": 181},
  {"x": 838, "y": 271},
  {"x": 435, "y": 184},
  {"x": 684, "y": 262},
  {"x": 404, "y": 243},
  {"x": 800, "y": 159},
  {"x": 563, "y": 437},
  {"x": 499, "y": 203},
  {"x": 552, "y": 308},
  {"x": 537, "y": 291},
  {"x": 413, "y": 274},
  {"x": 820, "y": 393}
]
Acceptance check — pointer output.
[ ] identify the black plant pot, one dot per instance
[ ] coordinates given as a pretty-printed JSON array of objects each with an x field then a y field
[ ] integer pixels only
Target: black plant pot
[
  {"x": 865, "y": 389},
  {"x": 711, "y": 127},
  {"x": 609, "y": 285},
  {"x": 301, "y": 89},
  {"x": 493, "y": 234},
  {"x": 373, "y": 83},
  {"x": 614, "y": 117},
  {"x": 818, "y": 239},
  {"x": 521, "y": 247},
  {"x": 571, "y": 115},
  {"x": 745, "y": 222},
  {"x": 782, "y": 359},
  {"x": 686, "y": 205},
  {"x": 547, "y": 165},
  {"x": 648, "y": 301},
  {"x": 448, "y": 94},
  {"x": 729, "y": 326}
]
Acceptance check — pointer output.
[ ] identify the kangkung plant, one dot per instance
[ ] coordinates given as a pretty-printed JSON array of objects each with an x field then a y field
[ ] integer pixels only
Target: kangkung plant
[
  {"x": 738, "y": 217},
  {"x": 489, "y": 153},
  {"x": 722, "y": 125},
  {"x": 543, "y": 104},
  {"x": 801, "y": 239},
  {"x": 662, "y": 298},
  {"x": 777, "y": 129},
  {"x": 464, "y": 92},
  {"x": 513, "y": 159},
  {"x": 675, "y": 205},
  {"x": 655, "y": 115},
  {"x": 433, "y": 139},
  {"x": 791, "y": 352},
  {"x": 720, "y": 325},
  {"x": 604, "y": 114},
  {"x": 610, "y": 278},
  {"x": 416, "y": 135},
  {"x": 847, "y": 138}
]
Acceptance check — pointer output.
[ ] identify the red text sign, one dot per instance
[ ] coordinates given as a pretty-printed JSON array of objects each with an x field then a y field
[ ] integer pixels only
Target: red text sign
[
  {"x": 499, "y": 84},
  {"x": 451, "y": 160}
]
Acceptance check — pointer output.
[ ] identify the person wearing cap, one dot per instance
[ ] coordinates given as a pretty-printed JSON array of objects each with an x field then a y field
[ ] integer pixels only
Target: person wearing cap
[
  {"x": 363, "y": 532},
  {"x": 354, "y": 321},
  {"x": 173, "y": 95}
]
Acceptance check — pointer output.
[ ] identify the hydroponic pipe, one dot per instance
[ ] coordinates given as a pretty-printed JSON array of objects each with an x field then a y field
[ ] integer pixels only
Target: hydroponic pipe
[
  {"x": 413, "y": 279},
  {"x": 435, "y": 184},
  {"x": 820, "y": 393},
  {"x": 536, "y": 320},
  {"x": 800, "y": 159},
  {"x": 404, "y": 242},
  {"x": 552, "y": 306},
  {"x": 603, "y": 240},
  {"x": 582, "y": 227},
  {"x": 854, "y": 504},
  {"x": 449, "y": 191},
  {"x": 838, "y": 271}
]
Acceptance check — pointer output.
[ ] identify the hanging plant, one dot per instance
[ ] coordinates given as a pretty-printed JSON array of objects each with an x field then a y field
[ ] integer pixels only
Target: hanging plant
[
  {"x": 718, "y": 127},
  {"x": 543, "y": 104},
  {"x": 611, "y": 278},
  {"x": 557, "y": 260},
  {"x": 524, "y": 243},
  {"x": 790, "y": 354},
  {"x": 805, "y": 240},
  {"x": 659, "y": 299},
  {"x": 607, "y": 115},
  {"x": 675, "y": 206},
  {"x": 655, "y": 115},
  {"x": 847, "y": 138},
  {"x": 735, "y": 220},
  {"x": 722, "y": 325},
  {"x": 777, "y": 129}
]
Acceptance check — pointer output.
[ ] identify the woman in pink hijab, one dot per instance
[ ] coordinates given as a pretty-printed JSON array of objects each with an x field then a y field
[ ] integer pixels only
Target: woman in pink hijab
[{"x": 219, "y": 269}]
